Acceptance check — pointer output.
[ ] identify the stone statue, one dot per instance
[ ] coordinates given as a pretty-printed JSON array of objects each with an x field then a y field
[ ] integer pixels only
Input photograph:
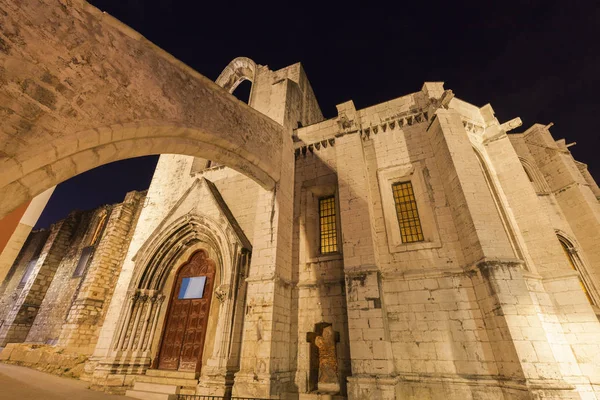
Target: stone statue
[{"x": 328, "y": 364}]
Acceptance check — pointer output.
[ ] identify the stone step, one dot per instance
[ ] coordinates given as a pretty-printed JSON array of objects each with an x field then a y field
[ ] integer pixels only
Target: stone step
[
  {"x": 320, "y": 396},
  {"x": 171, "y": 374},
  {"x": 155, "y": 388},
  {"x": 188, "y": 390},
  {"x": 167, "y": 380},
  {"x": 137, "y": 394}
]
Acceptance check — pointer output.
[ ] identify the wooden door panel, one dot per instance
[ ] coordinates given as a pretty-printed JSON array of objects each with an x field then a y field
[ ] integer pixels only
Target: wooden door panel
[{"x": 185, "y": 330}]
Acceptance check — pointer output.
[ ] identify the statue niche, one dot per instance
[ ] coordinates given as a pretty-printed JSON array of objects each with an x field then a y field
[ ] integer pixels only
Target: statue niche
[{"x": 323, "y": 373}]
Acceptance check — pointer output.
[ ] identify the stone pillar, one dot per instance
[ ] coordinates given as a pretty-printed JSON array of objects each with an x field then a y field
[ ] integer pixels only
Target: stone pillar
[
  {"x": 517, "y": 337},
  {"x": 370, "y": 347},
  {"x": 15, "y": 227},
  {"x": 265, "y": 364}
]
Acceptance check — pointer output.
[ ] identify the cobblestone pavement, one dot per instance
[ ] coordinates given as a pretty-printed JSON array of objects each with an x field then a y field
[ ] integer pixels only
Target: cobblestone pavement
[{"x": 20, "y": 383}]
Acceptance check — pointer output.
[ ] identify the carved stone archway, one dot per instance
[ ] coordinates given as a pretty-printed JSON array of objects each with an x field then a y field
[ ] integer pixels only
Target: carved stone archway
[{"x": 137, "y": 338}]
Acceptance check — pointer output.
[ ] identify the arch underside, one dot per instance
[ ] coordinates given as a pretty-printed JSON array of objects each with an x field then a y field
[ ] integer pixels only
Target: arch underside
[{"x": 81, "y": 90}]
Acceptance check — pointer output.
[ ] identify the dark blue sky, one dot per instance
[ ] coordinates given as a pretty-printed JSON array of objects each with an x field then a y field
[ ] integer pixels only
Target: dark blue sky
[{"x": 538, "y": 60}]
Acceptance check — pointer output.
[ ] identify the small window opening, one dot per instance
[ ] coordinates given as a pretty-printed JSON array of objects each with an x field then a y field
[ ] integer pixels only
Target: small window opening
[
  {"x": 408, "y": 215},
  {"x": 27, "y": 274},
  {"x": 86, "y": 255},
  {"x": 98, "y": 229},
  {"x": 328, "y": 225}
]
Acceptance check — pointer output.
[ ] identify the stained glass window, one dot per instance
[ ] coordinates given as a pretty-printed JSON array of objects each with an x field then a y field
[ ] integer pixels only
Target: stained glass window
[
  {"x": 408, "y": 215},
  {"x": 192, "y": 288},
  {"x": 327, "y": 225}
]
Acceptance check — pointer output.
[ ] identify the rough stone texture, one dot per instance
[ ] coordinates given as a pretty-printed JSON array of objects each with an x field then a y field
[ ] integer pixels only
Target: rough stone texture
[
  {"x": 499, "y": 301},
  {"x": 24, "y": 310},
  {"x": 54, "y": 306},
  {"x": 70, "y": 103},
  {"x": 30, "y": 252},
  {"x": 90, "y": 303},
  {"x": 44, "y": 358}
]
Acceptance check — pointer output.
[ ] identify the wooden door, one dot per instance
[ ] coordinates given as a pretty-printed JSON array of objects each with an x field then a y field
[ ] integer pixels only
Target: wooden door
[{"x": 187, "y": 317}]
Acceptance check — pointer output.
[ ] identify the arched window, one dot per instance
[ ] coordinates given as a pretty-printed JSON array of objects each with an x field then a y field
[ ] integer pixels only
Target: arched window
[
  {"x": 99, "y": 228},
  {"x": 535, "y": 177},
  {"x": 88, "y": 251},
  {"x": 576, "y": 264}
]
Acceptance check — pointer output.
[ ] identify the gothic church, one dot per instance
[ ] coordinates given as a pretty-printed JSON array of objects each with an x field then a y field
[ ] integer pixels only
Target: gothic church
[{"x": 422, "y": 250}]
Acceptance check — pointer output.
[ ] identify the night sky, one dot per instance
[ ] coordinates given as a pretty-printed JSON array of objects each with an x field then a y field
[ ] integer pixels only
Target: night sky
[{"x": 538, "y": 60}]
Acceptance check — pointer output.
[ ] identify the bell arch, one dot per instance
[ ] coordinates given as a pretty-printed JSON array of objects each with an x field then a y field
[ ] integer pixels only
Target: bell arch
[
  {"x": 70, "y": 103},
  {"x": 237, "y": 71}
]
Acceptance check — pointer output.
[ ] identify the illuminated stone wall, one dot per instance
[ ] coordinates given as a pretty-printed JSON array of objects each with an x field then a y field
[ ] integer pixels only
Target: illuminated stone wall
[{"x": 48, "y": 307}]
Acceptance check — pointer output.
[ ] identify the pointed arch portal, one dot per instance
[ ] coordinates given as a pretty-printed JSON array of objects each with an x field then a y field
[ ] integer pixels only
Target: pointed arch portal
[
  {"x": 79, "y": 89},
  {"x": 184, "y": 334}
]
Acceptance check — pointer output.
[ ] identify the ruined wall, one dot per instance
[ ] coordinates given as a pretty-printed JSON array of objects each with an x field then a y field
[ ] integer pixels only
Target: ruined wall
[
  {"x": 21, "y": 316},
  {"x": 79, "y": 332},
  {"x": 63, "y": 281},
  {"x": 10, "y": 288},
  {"x": 59, "y": 296}
]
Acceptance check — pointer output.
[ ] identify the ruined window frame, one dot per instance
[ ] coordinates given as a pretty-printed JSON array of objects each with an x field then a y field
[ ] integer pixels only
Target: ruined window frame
[
  {"x": 571, "y": 251},
  {"x": 87, "y": 253},
  {"x": 27, "y": 273}
]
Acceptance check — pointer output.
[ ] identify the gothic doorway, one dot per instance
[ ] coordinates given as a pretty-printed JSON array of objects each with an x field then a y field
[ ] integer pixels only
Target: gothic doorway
[{"x": 184, "y": 333}]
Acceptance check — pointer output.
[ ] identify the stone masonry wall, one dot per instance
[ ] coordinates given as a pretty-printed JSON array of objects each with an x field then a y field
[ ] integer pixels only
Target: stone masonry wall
[
  {"x": 442, "y": 317},
  {"x": 20, "y": 318},
  {"x": 79, "y": 332},
  {"x": 319, "y": 296},
  {"x": 9, "y": 290},
  {"x": 59, "y": 296}
]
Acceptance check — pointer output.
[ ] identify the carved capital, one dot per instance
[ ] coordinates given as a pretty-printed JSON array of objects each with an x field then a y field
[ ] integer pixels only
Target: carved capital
[{"x": 221, "y": 292}]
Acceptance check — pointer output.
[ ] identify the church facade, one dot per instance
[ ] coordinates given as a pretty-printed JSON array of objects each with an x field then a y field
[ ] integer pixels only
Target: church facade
[{"x": 421, "y": 251}]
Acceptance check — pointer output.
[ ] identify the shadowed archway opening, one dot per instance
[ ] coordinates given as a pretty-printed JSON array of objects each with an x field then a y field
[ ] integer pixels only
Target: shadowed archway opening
[{"x": 106, "y": 184}]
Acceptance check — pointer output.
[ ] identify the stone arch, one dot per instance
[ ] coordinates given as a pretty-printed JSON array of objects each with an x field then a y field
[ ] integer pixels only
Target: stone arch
[
  {"x": 157, "y": 262},
  {"x": 158, "y": 255},
  {"x": 572, "y": 252},
  {"x": 535, "y": 176},
  {"x": 237, "y": 71},
  {"x": 70, "y": 102}
]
